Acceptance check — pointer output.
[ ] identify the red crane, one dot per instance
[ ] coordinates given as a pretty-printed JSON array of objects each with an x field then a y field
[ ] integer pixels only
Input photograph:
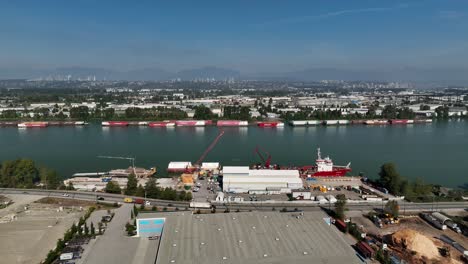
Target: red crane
[
  {"x": 267, "y": 162},
  {"x": 210, "y": 147}
]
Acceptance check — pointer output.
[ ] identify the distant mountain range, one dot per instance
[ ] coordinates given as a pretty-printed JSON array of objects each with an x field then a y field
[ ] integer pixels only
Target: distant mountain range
[{"x": 315, "y": 74}]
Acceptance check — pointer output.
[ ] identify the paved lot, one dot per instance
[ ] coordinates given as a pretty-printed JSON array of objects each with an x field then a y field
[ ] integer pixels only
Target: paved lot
[
  {"x": 115, "y": 247},
  {"x": 254, "y": 237},
  {"x": 204, "y": 195},
  {"x": 34, "y": 232}
]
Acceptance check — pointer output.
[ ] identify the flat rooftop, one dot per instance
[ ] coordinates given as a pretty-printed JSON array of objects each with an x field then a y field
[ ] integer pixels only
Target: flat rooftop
[{"x": 251, "y": 237}]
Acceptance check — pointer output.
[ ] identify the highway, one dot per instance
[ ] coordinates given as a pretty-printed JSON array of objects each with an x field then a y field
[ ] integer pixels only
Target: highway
[{"x": 254, "y": 206}]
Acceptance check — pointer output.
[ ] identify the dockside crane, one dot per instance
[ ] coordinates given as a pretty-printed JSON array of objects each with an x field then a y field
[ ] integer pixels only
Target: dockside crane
[
  {"x": 208, "y": 150},
  {"x": 124, "y": 158},
  {"x": 267, "y": 161}
]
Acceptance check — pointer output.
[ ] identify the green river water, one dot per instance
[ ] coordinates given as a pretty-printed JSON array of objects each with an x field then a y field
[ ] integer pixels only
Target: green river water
[{"x": 437, "y": 152}]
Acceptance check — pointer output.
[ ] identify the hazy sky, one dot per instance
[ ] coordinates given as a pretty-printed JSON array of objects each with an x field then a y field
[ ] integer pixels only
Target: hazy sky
[{"x": 250, "y": 36}]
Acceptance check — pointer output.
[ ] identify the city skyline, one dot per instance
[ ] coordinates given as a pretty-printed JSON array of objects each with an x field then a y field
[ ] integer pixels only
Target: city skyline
[{"x": 391, "y": 40}]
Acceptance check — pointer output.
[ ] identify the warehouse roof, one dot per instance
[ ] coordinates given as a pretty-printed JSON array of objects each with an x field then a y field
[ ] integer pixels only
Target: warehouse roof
[
  {"x": 274, "y": 173},
  {"x": 251, "y": 238},
  {"x": 235, "y": 170},
  {"x": 179, "y": 164},
  {"x": 210, "y": 165},
  {"x": 235, "y": 179}
]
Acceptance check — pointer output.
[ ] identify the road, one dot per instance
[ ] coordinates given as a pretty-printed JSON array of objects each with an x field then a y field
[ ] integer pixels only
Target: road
[
  {"x": 88, "y": 196},
  {"x": 260, "y": 206}
]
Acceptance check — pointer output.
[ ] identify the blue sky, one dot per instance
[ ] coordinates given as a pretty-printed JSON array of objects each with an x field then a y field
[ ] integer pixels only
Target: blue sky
[{"x": 250, "y": 36}]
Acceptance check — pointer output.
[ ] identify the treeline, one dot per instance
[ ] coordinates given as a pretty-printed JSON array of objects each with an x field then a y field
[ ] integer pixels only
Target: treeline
[
  {"x": 320, "y": 114},
  {"x": 24, "y": 173},
  {"x": 150, "y": 190},
  {"x": 416, "y": 190},
  {"x": 131, "y": 113},
  {"x": 229, "y": 112}
]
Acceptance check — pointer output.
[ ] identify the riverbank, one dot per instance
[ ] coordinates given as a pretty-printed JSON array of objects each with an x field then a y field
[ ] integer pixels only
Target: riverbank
[{"x": 419, "y": 150}]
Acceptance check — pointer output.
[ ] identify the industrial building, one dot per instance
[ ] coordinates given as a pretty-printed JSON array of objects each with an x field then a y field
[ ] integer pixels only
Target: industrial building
[
  {"x": 241, "y": 179},
  {"x": 248, "y": 238}
]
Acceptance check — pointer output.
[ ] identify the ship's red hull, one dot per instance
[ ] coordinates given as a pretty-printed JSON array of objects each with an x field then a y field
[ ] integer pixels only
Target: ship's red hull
[
  {"x": 231, "y": 123},
  {"x": 115, "y": 123},
  {"x": 310, "y": 171},
  {"x": 270, "y": 124},
  {"x": 161, "y": 124}
]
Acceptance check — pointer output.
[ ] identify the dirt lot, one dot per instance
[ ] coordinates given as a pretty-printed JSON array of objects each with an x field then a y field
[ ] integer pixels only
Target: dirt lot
[
  {"x": 64, "y": 202},
  {"x": 414, "y": 223},
  {"x": 29, "y": 229}
]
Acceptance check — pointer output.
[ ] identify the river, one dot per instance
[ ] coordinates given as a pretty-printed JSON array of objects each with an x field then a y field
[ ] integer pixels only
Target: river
[{"x": 437, "y": 152}]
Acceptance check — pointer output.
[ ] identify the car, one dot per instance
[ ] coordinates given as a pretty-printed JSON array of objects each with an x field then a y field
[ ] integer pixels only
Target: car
[
  {"x": 153, "y": 237},
  {"x": 65, "y": 195},
  {"x": 148, "y": 203},
  {"x": 100, "y": 198},
  {"x": 196, "y": 189}
]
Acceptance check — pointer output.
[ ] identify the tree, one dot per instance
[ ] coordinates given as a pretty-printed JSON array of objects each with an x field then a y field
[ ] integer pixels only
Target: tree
[
  {"x": 392, "y": 208},
  {"x": 340, "y": 206},
  {"x": 9, "y": 114},
  {"x": 442, "y": 111},
  {"x": 109, "y": 113},
  {"x": 131, "y": 185},
  {"x": 135, "y": 211},
  {"x": 188, "y": 196},
  {"x": 70, "y": 187},
  {"x": 20, "y": 173},
  {"x": 134, "y": 112},
  {"x": 424, "y": 107},
  {"x": 140, "y": 191},
  {"x": 390, "y": 178},
  {"x": 92, "y": 230},
  {"x": 113, "y": 187},
  {"x": 100, "y": 228},
  {"x": 74, "y": 229},
  {"x": 86, "y": 229},
  {"x": 79, "y": 112},
  {"x": 152, "y": 191},
  {"x": 390, "y": 112},
  {"x": 202, "y": 113},
  {"x": 50, "y": 178}
]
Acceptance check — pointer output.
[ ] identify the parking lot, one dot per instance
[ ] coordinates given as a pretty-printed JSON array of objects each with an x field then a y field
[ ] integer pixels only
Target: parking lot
[{"x": 207, "y": 190}]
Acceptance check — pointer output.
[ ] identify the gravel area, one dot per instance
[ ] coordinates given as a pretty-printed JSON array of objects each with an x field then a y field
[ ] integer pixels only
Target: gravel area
[{"x": 31, "y": 233}]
